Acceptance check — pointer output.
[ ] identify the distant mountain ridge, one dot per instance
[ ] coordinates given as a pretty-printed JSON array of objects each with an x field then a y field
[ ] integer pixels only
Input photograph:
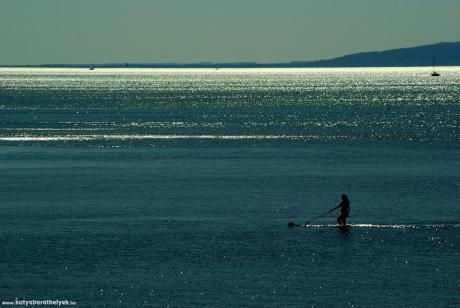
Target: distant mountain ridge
[{"x": 447, "y": 54}]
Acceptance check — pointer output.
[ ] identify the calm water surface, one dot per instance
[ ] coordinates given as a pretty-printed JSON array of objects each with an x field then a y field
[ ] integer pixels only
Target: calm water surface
[{"x": 132, "y": 187}]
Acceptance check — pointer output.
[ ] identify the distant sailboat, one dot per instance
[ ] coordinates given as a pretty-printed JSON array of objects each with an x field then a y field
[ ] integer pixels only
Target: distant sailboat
[
  {"x": 91, "y": 67},
  {"x": 434, "y": 73}
]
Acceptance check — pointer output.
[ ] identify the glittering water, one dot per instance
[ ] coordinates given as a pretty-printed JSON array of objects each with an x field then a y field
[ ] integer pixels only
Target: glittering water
[
  {"x": 377, "y": 105},
  {"x": 175, "y": 187}
]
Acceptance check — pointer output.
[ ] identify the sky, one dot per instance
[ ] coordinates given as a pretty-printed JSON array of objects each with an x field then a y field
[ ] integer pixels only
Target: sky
[{"x": 185, "y": 31}]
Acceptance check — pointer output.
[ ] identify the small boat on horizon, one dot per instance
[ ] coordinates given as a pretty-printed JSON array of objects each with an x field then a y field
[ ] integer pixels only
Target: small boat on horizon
[
  {"x": 434, "y": 73},
  {"x": 91, "y": 68}
]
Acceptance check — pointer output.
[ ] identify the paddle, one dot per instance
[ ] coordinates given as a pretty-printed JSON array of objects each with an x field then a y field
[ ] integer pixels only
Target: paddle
[{"x": 291, "y": 224}]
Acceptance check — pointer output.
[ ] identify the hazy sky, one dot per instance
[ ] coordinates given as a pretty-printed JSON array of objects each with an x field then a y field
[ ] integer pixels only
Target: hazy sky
[{"x": 103, "y": 31}]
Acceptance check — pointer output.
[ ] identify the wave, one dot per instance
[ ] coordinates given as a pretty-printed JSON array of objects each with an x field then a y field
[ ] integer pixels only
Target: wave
[
  {"x": 393, "y": 226},
  {"x": 154, "y": 137}
]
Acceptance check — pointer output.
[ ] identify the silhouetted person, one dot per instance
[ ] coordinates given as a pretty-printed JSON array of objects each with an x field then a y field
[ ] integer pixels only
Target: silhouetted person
[{"x": 344, "y": 210}]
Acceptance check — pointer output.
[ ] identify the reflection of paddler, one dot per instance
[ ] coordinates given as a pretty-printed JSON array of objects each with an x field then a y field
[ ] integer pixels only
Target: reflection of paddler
[{"x": 344, "y": 210}]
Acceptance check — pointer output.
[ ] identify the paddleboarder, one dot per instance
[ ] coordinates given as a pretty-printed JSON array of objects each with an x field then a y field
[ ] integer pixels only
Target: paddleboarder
[
  {"x": 344, "y": 206},
  {"x": 344, "y": 211}
]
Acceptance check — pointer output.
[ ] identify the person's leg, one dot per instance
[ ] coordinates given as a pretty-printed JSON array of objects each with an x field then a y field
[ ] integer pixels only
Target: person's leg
[{"x": 340, "y": 220}]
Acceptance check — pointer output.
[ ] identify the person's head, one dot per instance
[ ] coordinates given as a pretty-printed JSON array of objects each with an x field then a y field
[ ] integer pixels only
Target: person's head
[{"x": 344, "y": 197}]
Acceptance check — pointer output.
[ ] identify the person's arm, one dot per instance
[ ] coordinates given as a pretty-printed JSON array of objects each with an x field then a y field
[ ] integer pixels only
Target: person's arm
[{"x": 335, "y": 208}]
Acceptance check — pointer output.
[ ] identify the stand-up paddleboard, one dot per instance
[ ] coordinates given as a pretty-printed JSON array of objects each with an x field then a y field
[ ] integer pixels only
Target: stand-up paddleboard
[{"x": 344, "y": 228}]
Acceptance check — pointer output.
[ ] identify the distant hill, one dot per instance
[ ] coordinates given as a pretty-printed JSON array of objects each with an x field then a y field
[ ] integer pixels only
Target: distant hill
[{"x": 447, "y": 54}]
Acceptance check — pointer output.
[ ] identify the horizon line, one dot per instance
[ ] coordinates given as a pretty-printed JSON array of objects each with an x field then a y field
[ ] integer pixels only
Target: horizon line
[{"x": 225, "y": 64}]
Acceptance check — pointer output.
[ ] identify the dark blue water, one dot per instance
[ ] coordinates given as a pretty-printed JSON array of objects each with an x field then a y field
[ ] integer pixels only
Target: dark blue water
[{"x": 175, "y": 187}]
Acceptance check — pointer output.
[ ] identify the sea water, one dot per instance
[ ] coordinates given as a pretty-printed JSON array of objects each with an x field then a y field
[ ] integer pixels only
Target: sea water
[{"x": 174, "y": 187}]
